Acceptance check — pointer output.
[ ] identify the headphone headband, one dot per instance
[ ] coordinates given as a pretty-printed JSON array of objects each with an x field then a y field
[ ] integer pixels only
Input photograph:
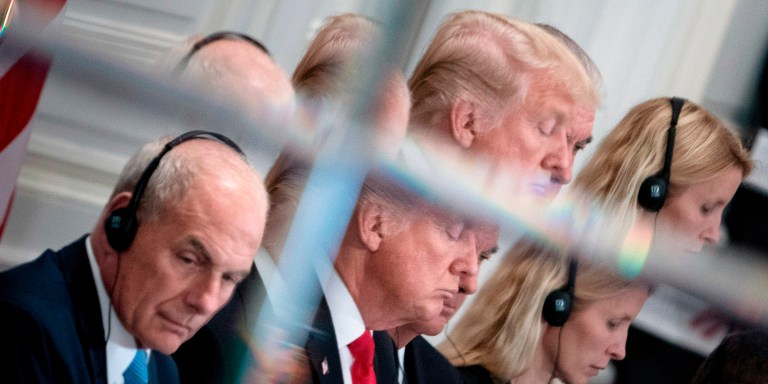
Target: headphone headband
[
  {"x": 677, "y": 106},
  {"x": 570, "y": 285},
  {"x": 121, "y": 225},
  {"x": 653, "y": 190},
  {"x": 216, "y": 36}
]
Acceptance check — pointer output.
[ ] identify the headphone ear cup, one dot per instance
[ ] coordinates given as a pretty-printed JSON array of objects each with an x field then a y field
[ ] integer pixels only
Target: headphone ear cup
[
  {"x": 653, "y": 193},
  {"x": 120, "y": 228},
  {"x": 557, "y": 307}
]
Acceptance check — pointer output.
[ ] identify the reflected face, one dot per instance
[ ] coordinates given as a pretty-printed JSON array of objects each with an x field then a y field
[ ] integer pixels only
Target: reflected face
[
  {"x": 539, "y": 138},
  {"x": 486, "y": 239},
  {"x": 183, "y": 267},
  {"x": 593, "y": 336},
  {"x": 691, "y": 216},
  {"x": 429, "y": 260}
]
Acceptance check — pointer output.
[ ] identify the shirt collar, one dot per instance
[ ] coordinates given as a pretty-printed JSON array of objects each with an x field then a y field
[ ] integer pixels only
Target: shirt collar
[
  {"x": 121, "y": 346},
  {"x": 347, "y": 321}
]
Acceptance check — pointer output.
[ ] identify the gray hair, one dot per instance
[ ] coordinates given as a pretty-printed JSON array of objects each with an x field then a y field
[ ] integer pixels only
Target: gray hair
[{"x": 176, "y": 173}]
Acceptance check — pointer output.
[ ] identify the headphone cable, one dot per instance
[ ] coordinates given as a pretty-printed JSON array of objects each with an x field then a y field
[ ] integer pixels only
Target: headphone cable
[
  {"x": 109, "y": 298},
  {"x": 455, "y": 348},
  {"x": 557, "y": 354}
]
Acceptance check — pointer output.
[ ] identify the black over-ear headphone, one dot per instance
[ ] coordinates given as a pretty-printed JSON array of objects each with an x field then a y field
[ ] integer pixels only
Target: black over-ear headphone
[
  {"x": 558, "y": 304},
  {"x": 216, "y": 36},
  {"x": 654, "y": 189},
  {"x": 121, "y": 225}
]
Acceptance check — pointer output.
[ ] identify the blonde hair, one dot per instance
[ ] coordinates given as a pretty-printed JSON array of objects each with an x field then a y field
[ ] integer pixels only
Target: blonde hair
[
  {"x": 586, "y": 61},
  {"x": 331, "y": 54},
  {"x": 323, "y": 72},
  {"x": 704, "y": 148},
  {"x": 490, "y": 61},
  {"x": 502, "y": 328}
]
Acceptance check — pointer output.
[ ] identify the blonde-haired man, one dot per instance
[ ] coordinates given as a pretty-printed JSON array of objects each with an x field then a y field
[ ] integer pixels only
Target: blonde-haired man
[{"x": 520, "y": 97}]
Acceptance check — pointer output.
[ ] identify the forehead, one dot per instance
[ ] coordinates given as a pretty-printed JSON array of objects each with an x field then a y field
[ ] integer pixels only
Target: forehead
[
  {"x": 721, "y": 187},
  {"x": 547, "y": 99},
  {"x": 445, "y": 215},
  {"x": 625, "y": 303}
]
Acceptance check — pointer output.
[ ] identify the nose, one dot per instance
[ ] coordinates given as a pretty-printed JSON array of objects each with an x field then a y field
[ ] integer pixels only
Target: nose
[
  {"x": 711, "y": 235},
  {"x": 203, "y": 295},
  {"x": 558, "y": 161},
  {"x": 468, "y": 285},
  {"x": 617, "y": 350},
  {"x": 466, "y": 267}
]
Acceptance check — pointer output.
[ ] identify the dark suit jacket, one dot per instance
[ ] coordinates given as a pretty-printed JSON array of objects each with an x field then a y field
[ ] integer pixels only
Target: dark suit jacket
[
  {"x": 476, "y": 374},
  {"x": 50, "y": 323},
  {"x": 218, "y": 353},
  {"x": 321, "y": 346},
  {"x": 423, "y": 363},
  {"x": 322, "y": 349}
]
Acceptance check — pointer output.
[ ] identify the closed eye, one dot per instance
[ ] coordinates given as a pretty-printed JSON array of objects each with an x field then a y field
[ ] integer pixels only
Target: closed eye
[
  {"x": 486, "y": 255},
  {"x": 546, "y": 127},
  {"x": 581, "y": 145}
]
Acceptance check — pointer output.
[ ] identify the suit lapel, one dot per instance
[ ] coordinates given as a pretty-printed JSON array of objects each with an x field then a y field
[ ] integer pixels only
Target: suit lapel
[
  {"x": 385, "y": 361},
  {"x": 322, "y": 349},
  {"x": 72, "y": 260}
]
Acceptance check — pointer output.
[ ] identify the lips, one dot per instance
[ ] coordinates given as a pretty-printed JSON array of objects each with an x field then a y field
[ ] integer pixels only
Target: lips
[
  {"x": 447, "y": 311},
  {"x": 594, "y": 370},
  {"x": 174, "y": 326},
  {"x": 543, "y": 189}
]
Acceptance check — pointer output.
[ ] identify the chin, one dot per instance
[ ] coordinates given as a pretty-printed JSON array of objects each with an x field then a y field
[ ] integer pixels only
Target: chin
[
  {"x": 432, "y": 329},
  {"x": 575, "y": 380},
  {"x": 164, "y": 345},
  {"x": 168, "y": 348}
]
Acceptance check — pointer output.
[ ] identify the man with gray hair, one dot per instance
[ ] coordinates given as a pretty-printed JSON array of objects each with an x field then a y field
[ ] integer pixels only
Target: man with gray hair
[{"x": 174, "y": 240}]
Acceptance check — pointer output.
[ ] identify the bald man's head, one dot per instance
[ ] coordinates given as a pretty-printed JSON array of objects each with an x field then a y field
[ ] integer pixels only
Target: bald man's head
[{"x": 238, "y": 71}]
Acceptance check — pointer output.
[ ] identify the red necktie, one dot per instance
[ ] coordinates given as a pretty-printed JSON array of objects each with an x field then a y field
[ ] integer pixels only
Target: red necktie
[{"x": 362, "y": 366}]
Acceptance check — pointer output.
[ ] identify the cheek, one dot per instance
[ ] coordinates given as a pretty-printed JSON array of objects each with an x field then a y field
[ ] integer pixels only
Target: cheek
[{"x": 682, "y": 221}]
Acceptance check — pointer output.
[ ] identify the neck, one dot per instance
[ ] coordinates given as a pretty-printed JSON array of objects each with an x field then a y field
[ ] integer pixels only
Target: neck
[
  {"x": 539, "y": 371},
  {"x": 402, "y": 335},
  {"x": 350, "y": 266}
]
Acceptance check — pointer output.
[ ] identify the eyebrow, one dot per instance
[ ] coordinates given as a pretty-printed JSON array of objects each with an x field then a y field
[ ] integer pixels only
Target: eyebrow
[
  {"x": 206, "y": 256},
  {"x": 201, "y": 249}
]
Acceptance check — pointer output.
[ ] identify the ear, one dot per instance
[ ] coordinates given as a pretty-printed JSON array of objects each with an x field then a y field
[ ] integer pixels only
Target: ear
[
  {"x": 98, "y": 235},
  {"x": 106, "y": 257},
  {"x": 463, "y": 122},
  {"x": 120, "y": 200},
  {"x": 370, "y": 225}
]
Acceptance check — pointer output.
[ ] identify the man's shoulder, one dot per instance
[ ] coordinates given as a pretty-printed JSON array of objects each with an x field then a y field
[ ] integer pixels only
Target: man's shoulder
[
  {"x": 38, "y": 289},
  {"x": 33, "y": 283},
  {"x": 426, "y": 363}
]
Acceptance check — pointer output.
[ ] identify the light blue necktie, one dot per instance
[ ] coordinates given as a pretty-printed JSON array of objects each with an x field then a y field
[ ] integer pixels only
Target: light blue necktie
[{"x": 136, "y": 373}]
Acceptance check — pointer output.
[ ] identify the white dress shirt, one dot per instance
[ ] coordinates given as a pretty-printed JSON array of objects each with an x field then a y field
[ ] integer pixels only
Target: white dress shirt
[
  {"x": 400, "y": 364},
  {"x": 347, "y": 320},
  {"x": 121, "y": 346}
]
